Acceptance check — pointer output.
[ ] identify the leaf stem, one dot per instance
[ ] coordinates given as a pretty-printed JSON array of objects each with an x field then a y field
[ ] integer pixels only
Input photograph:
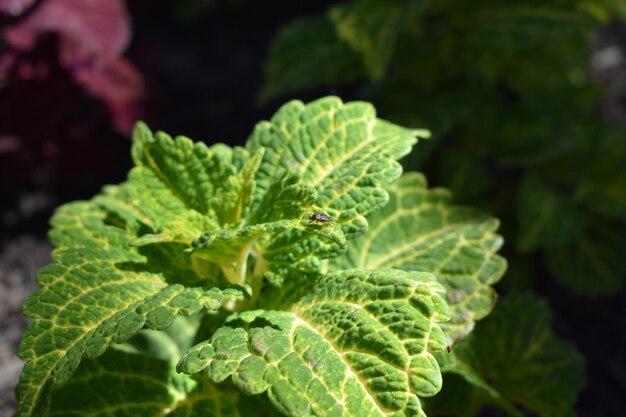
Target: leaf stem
[{"x": 236, "y": 273}]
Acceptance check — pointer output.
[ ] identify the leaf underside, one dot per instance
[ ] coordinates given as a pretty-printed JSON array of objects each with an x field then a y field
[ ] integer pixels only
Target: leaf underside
[{"x": 151, "y": 388}]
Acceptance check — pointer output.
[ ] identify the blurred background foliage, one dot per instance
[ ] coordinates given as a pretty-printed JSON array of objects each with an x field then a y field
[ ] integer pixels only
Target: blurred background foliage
[
  {"x": 525, "y": 127},
  {"x": 505, "y": 88},
  {"x": 526, "y": 102}
]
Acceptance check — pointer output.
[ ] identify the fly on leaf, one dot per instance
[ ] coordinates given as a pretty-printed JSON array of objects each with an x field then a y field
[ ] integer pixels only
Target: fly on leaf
[{"x": 320, "y": 218}]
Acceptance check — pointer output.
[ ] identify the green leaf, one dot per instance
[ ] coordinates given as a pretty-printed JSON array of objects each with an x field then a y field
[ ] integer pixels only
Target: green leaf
[
  {"x": 352, "y": 343},
  {"x": 500, "y": 32},
  {"x": 192, "y": 172},
  {"x": 603, "y": 186},
  {"x": 214, "y": 213},
  {"x": 594, "y": 263},
  {"x": 514, "y": 358},
  {"x": 179, "y": 189},
  {"x": 284, "y": 208},
  {"x": 419, "y": 230},
  {"x": 463, "y": 174},
  {"x": 461, "y": 398},
  {"x": 98, "y": 291},
  {"x": 546, "y": 219},
  {"x": 150, "y": 387},
  {"x": 370, "y": 28},
  {"x": 308, "y": 53},
  {"x": 342, "y": 150}
]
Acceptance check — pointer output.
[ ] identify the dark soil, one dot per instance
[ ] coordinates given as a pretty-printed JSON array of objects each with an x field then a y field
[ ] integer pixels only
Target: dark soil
[{"x": 19, "y": 261}]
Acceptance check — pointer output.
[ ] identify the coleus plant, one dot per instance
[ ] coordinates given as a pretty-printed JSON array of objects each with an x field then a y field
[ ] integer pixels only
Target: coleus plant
[{"x": 299, "y": 275}]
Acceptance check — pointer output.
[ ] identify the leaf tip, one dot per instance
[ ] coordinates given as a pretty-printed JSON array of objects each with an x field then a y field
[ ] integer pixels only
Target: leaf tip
[
  {"x": 141, "y": 132},
  {"x": 422, "y": 133}
]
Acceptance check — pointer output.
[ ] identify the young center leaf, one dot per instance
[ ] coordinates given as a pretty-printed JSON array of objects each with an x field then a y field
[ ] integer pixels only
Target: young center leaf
[
  {"x": 349, "y": 343},
  {"x": 323, "y": 157},
  {"x": 283, "y": 208},
  {"x": 420, "y": 230}
]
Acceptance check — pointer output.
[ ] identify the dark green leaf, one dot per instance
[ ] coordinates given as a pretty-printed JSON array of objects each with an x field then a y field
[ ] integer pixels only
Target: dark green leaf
[
  {"x": 546, "y": 218},
  {"x": 308, "y": 53},
  {"x": 514, "y": 358}
]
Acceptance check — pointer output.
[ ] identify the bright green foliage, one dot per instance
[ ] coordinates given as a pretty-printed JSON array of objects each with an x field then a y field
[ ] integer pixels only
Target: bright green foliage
[
  {"x": 502, "y": 85},
  {"x": 543, "y": 373},
  {"x": 344, "y": 153},
  {"x": 98, "y": 291},
  {"x": 420, "y": 230},
  {"x": 203, "y": 231},
  {"x": 351, "y": 343},
  {"x": 286, "y": 197},
  {"x": 203, "y": 286}
]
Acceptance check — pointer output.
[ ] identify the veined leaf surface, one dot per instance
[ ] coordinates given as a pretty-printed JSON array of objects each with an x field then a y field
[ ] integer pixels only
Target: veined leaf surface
[
  {"x": 419, "y": 230},
  {"x": 342, "y": 150},
  {"x": 351, "y": 343},
  {"x": 195, "y": 174},
  {"x": 282, "y": 209},
  {"x": 125, "y": 259},
  {"x": 92, "y": 297}
]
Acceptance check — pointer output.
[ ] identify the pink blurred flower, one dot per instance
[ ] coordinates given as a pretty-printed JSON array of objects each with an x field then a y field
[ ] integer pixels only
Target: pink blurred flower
[
  {"x": 92, "y": 36},
  {"x": 15, "y": 7}
]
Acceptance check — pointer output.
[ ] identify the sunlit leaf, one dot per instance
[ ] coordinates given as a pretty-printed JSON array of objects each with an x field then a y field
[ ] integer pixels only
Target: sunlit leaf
[
  {"x": 420, "y": 230},
  {"x": 351, "y": 343}
]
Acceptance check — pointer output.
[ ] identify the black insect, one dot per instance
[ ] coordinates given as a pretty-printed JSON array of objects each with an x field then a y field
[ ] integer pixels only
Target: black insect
[{"x": 320, "y": 218}]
